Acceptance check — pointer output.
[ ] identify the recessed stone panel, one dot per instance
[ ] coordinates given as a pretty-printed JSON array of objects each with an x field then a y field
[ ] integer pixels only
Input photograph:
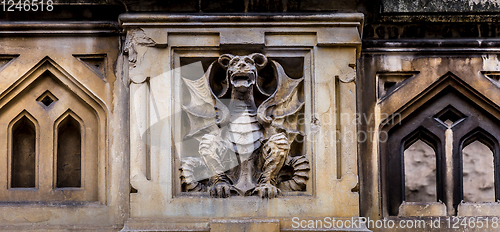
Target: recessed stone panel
[
  {"x": 55, "y": 113},
  {"x": 239, "y": 117}
]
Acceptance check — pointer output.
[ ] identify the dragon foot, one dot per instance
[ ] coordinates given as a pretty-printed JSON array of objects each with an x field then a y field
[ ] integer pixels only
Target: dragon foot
[
  {"x": 266, "y": 190},
  {"x": 221, "y": 190}
]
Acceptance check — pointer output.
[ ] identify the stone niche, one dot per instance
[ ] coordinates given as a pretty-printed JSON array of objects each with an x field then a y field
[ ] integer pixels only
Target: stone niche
[
  {"x": 435, "y": 114},
  {"x": 56, "y": 111},
  {"x": 240, "y": 123}
]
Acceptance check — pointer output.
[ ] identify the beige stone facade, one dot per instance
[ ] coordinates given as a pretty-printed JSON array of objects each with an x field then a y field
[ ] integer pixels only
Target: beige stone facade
[
  {"x": 433, "y": 92},
  {"x": 63, "y": 124},
  {"x": 161, "y": 46},
  {"x": 78, "y": 114},
  {"x": 276, "y": 115}
]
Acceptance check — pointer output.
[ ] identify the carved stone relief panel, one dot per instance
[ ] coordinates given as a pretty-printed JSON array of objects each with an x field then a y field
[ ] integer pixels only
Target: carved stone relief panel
[
  {"x": 241, "y": 117},
  {"x": 61, "y": 129},
  {"x": 250, "y": 130},
  {"x": 446, "y": 104},
  {"x": 59, "y": 102}
]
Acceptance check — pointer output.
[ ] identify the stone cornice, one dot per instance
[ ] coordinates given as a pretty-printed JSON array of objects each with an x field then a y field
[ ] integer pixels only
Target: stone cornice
[
  {"x": 58, "y": 28},
  {"x": 251, "y": 20}
]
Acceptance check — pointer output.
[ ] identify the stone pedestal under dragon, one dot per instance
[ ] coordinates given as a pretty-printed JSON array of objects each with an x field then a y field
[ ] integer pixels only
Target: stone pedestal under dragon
[{"x": 244, "y": 148}]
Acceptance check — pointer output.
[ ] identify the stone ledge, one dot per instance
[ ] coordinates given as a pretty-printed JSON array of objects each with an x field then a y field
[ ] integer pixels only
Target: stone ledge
[
  {"x": 245, "y": 225},
  {"x": 422, "y": 209},
  {"x": 237, "y": 224},
  {"x": 54, "y": 28},
  {"x": 479, "y": 209},
  {"x": 347, "y": 19}
]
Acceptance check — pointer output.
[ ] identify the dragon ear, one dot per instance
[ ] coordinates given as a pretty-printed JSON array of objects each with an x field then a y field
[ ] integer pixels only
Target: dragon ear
[
  {"x": 259, "y": 59},
  {"x": 218, "y": 83},
  {"x": 224, "y": 60},
  {"x": 266, "y": 84}
]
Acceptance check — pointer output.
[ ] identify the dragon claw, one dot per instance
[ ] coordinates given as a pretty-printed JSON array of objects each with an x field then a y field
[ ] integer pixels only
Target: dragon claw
[
  {"x": 267, "y": 191},
  {"x": 221, "y": 190}
]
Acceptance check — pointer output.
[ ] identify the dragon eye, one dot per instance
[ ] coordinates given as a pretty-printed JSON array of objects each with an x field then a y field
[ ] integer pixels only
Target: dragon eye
[
  {"x": 249, "y": 61},
  {"x": 234, "y": 61}
]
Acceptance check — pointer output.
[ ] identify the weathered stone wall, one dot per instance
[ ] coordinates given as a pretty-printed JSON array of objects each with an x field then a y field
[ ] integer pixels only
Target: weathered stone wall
[
  {"x": 399, "y": 41},
  {"x": 324, "y": 46},
  {"x": 74, "y": 66}
]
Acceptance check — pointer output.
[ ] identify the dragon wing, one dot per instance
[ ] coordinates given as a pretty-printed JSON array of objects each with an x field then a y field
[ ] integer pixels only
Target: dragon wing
[
  {"x": 205, "y": 111},
  {"x": 282, "y": 109}
]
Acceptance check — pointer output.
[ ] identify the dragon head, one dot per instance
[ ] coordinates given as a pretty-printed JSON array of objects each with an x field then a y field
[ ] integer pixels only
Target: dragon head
[{"x": 242, "y": 70}]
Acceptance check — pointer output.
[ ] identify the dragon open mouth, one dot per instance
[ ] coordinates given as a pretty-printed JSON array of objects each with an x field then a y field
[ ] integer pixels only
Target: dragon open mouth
[{"x": 243, "y": 79}]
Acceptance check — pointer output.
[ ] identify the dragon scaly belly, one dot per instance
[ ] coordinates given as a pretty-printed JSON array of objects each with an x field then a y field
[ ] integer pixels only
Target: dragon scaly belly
[{"x": 244, "y": 132}]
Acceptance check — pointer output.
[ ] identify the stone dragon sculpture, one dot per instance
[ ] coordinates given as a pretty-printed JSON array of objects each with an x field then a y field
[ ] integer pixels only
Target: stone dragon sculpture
[{"x": 243, "y": 148}]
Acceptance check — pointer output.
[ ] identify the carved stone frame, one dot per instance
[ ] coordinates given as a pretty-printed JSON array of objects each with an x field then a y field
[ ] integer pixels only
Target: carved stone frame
[
  {"x": 155, "y": 43},
  {"x": 97, "y": 190},
  {"x": 30, "y": 50},
  {"x": 178, "y": 53},
  {"x": 465, "y": 72}
]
